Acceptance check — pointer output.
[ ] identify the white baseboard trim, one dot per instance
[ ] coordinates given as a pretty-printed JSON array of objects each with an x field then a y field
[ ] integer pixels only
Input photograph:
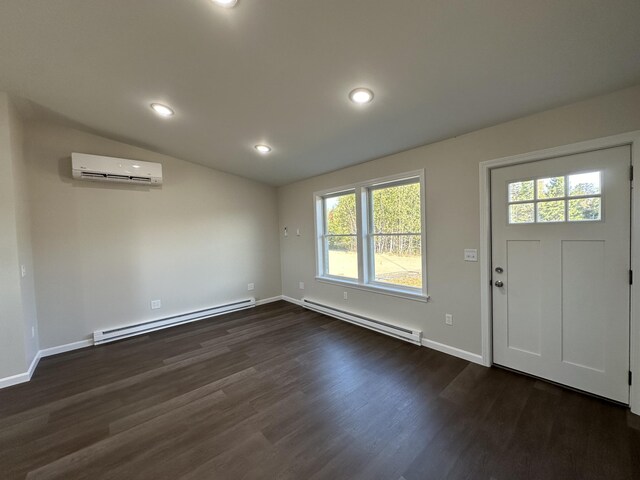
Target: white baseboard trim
[
  {"x": 21, "y": 377},
  {"x": 292, "y": 300},
  {"x": 456, "y": 352},
  {"x": 34, "y": 363},
  {"x": 264, "y": 301},
  {"x": 14, "y": 380},
  {"x": 47, "y": 352}
]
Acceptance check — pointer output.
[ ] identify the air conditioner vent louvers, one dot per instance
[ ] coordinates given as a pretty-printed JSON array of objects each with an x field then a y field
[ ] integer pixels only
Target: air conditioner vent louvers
[
  {"x": 108, "y": 169},
  {"x": 93, "y": 175}
]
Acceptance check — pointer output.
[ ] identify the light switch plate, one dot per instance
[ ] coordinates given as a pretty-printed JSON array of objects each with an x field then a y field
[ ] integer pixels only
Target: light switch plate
[
  {"x": 470, "y": 255},
  {"x": 301, "y": 285}
]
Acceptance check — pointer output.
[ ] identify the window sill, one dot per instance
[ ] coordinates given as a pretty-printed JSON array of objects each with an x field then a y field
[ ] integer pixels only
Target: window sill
[{"x": 418, "y": 297}]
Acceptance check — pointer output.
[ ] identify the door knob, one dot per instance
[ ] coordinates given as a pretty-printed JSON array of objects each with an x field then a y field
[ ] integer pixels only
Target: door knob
[{"x": 499, "y": 283}]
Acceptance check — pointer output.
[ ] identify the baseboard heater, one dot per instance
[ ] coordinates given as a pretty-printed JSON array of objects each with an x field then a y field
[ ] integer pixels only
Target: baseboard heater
[
  {"x": 406, "y": 334},
  {"x": 113, "y": 334}
]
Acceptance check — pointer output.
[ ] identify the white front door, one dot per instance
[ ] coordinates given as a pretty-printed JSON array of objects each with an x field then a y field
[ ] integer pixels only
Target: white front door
[{"x": 560, "y": 259}]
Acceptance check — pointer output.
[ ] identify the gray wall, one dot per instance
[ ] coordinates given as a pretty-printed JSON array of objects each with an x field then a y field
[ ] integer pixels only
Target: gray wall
[
  {"x": 103, "y": 251},
  {"x": 451, "y": 169},
  {"x": 18, "y": 346}
]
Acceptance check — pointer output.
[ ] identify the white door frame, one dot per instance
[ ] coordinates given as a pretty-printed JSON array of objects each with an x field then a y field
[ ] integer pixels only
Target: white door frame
[{"x": 632, "y": 139}]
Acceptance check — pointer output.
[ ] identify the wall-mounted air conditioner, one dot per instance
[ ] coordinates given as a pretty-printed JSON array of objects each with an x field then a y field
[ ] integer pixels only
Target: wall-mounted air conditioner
[{"x": 109, "y": 169}]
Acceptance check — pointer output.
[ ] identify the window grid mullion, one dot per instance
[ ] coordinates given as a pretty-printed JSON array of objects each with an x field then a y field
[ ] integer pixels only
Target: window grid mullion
[
  {"x": 360, "y": 246},
  {"x": 396, "y": 234}
]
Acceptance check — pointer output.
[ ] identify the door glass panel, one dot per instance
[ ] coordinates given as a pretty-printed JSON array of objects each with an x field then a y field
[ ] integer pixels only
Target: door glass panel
[
  {"x": 551, "y": 187},
  {"x": 585, "y": 209},
  {"x": 522, "y": 213},
  {"x": 521, "y": 191},
  {"x": 584, "y": 184},
  {"x": 551, "y": 211}
]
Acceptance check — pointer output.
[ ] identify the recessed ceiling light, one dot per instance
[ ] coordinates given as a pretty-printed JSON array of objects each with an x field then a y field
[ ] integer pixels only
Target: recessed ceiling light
[
  {"x": 226, "y": 3},
  {"x": 162, "y": 110},
  {"x": 361, "y": 95},
  {"x": 264, "y": 149}
]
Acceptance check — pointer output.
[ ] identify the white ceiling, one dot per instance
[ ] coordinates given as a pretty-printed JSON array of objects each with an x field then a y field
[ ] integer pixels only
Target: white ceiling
[{"x": 279, "y": 71}]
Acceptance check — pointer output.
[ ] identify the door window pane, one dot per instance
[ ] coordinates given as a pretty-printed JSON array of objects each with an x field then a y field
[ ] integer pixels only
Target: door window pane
[
  {"x": 398, "y": 260},
  {"x": 555, "y": 199},
  {"x": 522, "y": 213},
  {"x": 585, "y": 209},
  {"x": 551, "y": 211},
  {"x": 342, "y": 256},
  {"x": 521, "y": 191},
  {"x": 584, "y": 184},
  {"x": 551, "y": 187}
]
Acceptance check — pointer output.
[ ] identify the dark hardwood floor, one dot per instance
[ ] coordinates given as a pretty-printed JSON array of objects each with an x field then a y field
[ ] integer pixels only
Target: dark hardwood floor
[{"x": 281, "y": 392}]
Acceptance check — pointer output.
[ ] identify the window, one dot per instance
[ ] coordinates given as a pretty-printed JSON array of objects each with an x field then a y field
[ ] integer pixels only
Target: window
[
  {"x": 570, "y": 198},
  {"x": 371, "y": 235},
  {"x": 340, "y": 243}
]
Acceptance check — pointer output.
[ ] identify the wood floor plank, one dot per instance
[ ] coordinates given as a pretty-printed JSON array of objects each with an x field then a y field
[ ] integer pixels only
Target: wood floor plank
[{"x": 280, "y": 392}]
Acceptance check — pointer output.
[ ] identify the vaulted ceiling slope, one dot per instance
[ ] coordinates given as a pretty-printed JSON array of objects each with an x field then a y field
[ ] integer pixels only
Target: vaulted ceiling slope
[{"x": 279, "y": 72}]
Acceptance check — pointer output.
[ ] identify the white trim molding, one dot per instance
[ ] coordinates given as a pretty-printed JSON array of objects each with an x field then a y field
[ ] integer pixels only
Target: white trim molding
[
  {"x": 632, "y": 139},
  {"x": 292, "y": 300},
  {"x": 47, "y": 352},
  {"x": 453, "y": 351},
  {"x": 21, "y": 377},
  {"x": 14, "y": 380},
  {"x": 264, "y": 301}
]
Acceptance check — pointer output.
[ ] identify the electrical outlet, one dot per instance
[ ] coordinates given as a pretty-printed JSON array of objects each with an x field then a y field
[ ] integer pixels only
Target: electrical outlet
[
  {"x": 448, "y": 319},
  {"x": 470, "y": 255},
  {"x": 297, "y": 232},
  {"x": 155, "y": 304},
  {"x": 33, "y": 332},
  {"x": 346, "y": 296},
  {"x": 301, "y": 285},
  {"x": 251, "y": 286},
  {"x": 23, "y": 271}
]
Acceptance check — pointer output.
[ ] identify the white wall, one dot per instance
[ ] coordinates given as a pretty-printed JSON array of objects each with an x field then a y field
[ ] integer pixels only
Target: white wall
[
  {"x": 451, "y": 169},
  {"x": 17, "y": 299},
  {"x": 23, "y": 233},
  {"x": 102, "y": 252}
]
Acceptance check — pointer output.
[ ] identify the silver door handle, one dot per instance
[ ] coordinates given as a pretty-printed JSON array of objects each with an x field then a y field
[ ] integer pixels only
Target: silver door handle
[{"x": 499, "y": 283}]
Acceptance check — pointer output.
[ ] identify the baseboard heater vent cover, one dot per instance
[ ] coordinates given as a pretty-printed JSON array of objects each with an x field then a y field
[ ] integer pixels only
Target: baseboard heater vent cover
[
  {"x": 111, "y": 335},
  {"x": 406, "y": 334}
]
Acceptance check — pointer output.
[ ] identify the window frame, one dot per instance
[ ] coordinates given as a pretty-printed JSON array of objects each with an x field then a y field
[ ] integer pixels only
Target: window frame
[{"x": 364, "y": 235}]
